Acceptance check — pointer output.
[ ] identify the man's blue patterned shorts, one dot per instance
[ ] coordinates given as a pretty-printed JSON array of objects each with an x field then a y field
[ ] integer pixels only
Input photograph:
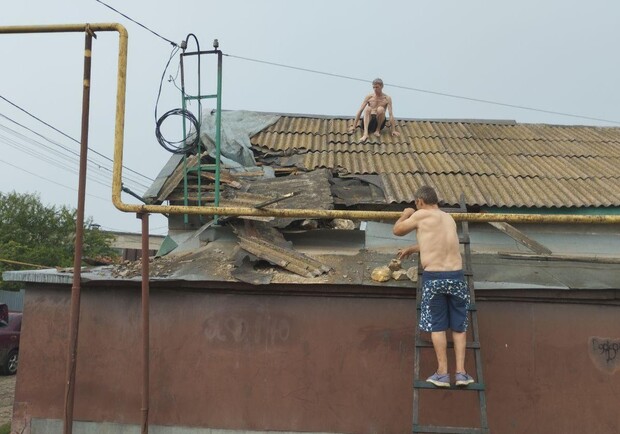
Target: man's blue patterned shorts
[{"x": 445, "y": 300}]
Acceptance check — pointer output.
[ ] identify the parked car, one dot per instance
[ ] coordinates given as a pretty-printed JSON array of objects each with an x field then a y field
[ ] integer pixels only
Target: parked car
[{"x": 9, "y": 343}]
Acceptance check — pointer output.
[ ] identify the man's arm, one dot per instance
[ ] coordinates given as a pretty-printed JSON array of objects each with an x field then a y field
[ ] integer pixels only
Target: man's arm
[
  {"x": 359, "y": 114},
  {"x": 392, "y": 118},
  {"x": 406, "y": 223}
]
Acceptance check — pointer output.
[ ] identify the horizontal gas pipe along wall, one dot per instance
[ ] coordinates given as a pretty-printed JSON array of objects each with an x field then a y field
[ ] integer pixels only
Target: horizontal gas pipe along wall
[{"x": 354, "y": 215}]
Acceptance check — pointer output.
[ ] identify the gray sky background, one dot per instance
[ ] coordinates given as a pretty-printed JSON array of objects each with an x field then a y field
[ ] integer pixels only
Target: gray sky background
[{"x": 553, "y": 55}]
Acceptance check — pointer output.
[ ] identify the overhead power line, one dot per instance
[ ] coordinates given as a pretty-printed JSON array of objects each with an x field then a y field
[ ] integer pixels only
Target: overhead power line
[
  {"x": 60, "y": 164},
  {"x": 73, "y": 156},
  {"x": 431, "y": 92},
  {"x": 51, "y": 180},
  {"x": 67, "y": 136},
  {"x": 70, "y": 151},
  {"x": 414, "y": 89},
  {"x": 140, "y": 24}
]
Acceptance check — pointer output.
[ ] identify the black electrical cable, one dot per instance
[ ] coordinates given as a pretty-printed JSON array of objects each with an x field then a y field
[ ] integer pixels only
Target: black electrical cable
[
  {"x": 174, "y": 147},
  {"x": 190, "y": 142}
]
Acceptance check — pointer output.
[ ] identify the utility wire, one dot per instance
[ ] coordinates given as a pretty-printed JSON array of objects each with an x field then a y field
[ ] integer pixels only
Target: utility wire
[
  {"x": 69, "y": 150},
  {"x": 9, "y": 261},
  {"x": 140, "y": 24},
  {"x": 68, "y": 136},
  {"x": 431, "y": 92},
  {"x": 49, "y": 160},
  {"x": 53, "y": 162},
  {"x": 51, "y": 150},
  {"x": 71, "y": 166},
  {"x": 50, "y": 180}
]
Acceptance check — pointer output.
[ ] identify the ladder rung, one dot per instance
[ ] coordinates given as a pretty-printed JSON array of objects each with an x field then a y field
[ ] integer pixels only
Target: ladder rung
[
  {"x": 447, "y": 429},
  {"x": 419, "y": 384},
  {"x": 192, "y": 97},
  {"x": 471, "y": 308},
  {"x": 202, "y": 167},
  {"x": 464, "y": 240},
  {"x": 423, "y": 343}
]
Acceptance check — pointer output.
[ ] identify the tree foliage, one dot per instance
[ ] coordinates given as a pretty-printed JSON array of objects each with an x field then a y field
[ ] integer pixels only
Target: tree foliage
[{"x": 33, "y": 233}]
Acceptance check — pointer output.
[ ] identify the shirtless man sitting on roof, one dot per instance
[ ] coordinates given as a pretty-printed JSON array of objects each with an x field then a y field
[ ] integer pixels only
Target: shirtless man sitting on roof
[{"x": 374, "y": 107}]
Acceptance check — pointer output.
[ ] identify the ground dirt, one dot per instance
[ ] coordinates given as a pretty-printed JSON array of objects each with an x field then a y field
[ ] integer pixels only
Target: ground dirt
[{"x": 7, "y": 393}]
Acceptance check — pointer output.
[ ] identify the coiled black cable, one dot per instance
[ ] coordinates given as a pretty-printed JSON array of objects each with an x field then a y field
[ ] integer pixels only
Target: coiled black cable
[{"x": 188, "y": 143}]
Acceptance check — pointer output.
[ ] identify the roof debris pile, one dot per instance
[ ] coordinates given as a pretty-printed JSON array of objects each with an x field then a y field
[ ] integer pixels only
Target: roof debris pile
[
  {"x": 394, "y": 271},
  {"x": 163, "y": 266}
]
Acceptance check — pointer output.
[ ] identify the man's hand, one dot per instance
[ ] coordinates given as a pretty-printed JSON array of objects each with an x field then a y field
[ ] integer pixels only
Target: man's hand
[
  {"x": 395, "y": 133},
  {"x": 352, "y": 129},
  {"x": 408, "y": 251}
]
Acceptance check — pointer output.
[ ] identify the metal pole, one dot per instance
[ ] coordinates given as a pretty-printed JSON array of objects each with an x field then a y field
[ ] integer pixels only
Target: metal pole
[
  {"x": 145, "y": 322},
  {"x": 74, "y": 319},
  {"x": 218, "y": 129},
  {"x": 184, "y": 107}
]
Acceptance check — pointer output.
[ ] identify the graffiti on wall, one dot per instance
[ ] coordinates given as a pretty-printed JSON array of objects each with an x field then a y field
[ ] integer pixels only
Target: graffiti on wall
[
  {"x": 253, "y": 329},
  {"x": 605, "y": 353}
]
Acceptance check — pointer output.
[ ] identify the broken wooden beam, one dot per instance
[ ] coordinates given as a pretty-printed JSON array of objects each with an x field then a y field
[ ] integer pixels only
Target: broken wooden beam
[{"x": 521, "y": 238}]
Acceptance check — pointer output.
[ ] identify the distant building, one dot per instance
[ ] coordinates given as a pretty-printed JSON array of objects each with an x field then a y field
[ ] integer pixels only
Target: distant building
[{"x": 129, "y": 245}]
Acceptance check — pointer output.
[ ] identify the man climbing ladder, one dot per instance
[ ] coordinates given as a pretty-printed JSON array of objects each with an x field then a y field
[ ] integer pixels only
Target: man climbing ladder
[
  {"x": 445, "y": 295},
  {"x": 445, "y": 299}
]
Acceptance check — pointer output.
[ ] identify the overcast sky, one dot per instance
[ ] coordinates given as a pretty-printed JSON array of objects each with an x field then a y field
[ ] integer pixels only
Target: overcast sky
[{"x": 550, "y": 55}]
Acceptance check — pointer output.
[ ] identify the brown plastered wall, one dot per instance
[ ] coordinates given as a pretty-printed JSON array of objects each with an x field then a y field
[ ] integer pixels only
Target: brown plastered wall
[{"x": 303, "y": 363}]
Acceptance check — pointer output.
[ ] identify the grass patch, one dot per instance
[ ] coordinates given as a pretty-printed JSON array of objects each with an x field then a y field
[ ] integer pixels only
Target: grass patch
[{"x": 6, "y": 428}]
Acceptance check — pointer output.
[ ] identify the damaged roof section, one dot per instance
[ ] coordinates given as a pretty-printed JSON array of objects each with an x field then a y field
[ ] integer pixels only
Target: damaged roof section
[
  {"x": 495, "y": 164},
  {"x": 305, "y": 162},
  {"x": 311, "y": 190}
]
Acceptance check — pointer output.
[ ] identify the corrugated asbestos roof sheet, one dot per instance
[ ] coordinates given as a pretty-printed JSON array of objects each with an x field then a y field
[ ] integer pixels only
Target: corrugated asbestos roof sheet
[{"x": 494, "y": 164}]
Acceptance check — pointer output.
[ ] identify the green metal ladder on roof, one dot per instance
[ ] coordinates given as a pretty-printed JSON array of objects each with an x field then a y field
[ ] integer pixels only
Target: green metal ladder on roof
[
  {"x": 473, "y": 345},
  {"x": 199, "y": 167}
]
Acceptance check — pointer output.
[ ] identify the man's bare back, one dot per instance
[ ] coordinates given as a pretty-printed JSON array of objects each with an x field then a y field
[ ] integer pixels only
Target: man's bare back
[{"x": 438, "y": 241}]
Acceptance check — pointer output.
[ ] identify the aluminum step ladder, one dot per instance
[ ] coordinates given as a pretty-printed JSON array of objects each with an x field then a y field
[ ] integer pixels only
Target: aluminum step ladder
[{"x": 477, "y": 387}]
